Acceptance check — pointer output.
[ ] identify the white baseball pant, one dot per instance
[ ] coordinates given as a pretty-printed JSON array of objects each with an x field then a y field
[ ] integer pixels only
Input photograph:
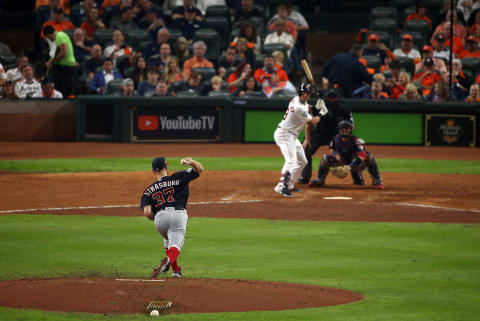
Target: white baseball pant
[
  {"x": 292, "y": 151},
  {"x": 172, "y": 224}
]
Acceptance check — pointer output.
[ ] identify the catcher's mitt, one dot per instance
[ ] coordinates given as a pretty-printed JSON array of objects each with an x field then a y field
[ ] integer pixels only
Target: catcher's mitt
[{"x": 340, "y": 171}]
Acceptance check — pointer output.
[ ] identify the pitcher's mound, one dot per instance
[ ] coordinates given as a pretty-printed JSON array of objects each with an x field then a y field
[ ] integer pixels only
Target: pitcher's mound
[{"x": 98, "y": 295}]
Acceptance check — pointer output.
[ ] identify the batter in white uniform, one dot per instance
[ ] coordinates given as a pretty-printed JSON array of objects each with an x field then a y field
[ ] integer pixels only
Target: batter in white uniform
[{"x": 286, "y": 137}]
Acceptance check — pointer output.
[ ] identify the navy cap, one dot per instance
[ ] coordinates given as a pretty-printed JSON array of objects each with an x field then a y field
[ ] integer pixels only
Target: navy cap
[{"x": 159, "y": 163}]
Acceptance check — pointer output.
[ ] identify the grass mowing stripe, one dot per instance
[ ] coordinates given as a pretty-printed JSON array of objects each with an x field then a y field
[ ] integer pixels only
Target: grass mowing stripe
[
  {"x": 225, "y": 163},
  {"x": 405, "y": 271}
]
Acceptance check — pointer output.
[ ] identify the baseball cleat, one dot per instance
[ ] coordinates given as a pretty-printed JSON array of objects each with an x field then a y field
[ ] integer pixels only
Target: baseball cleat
[
  {"x": 316, "y": 183},
  {"x": 177, "y": 274},
  {"x": 286, "y": 192},
  {"x": 379, "y": 186},
  {"x": 303, "y": 181},
  {"x": 162, "y": 268},
  {"x": 295, "y": 190}
]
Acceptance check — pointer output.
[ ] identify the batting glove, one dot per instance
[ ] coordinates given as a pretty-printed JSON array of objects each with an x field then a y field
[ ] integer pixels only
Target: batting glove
[{"x": 320, "y": 106}]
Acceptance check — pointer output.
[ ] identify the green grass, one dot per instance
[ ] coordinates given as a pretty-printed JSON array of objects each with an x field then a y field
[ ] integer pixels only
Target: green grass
[
  {"x": 405, "y": 271},
  {"x": 219, "y": 163}
]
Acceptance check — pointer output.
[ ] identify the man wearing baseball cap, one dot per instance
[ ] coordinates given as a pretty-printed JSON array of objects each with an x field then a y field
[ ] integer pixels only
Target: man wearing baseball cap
[
  {"x": 427, "y": 52},
  {"x": 440, "y": 47},
  {"x": 427, "y": 77},
  {"x": 377, "y": 48},
  {"x": 406, "y": 49},
  {"x": 471, "y": 48}
]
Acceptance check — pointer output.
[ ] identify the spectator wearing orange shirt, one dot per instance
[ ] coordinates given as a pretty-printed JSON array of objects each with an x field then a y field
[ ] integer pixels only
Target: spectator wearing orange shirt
[
  {"x": 427, "y": 77},
  {"x": 399, "y": 87},
  {"x": 471, "y": 48},
  {"x": 476, "y": 23},
  {"x": 265, "y": 72},
  {"x": 198, "y": 59},
  {"x": 458, "y": 30},
  {"x": 420, "y": 14},
  {"x": 427, "y": 52},
  {"x": 239, "y": 76},
  {"x": 64, "y": 4},
  {"x": 92, "y": 23},
  {"x": 107, "y": 3},
  {"x": 58, "y": 22}
]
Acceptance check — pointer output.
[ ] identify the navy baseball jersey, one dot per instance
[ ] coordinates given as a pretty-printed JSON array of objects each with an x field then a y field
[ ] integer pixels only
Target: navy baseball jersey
[
  {"x": 169, "y": 191},
  {"x": 347, "y": 149}
]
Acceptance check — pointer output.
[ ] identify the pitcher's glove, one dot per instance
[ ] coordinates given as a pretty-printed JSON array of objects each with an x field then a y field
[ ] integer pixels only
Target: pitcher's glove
[{"x": 340, "y": 171}]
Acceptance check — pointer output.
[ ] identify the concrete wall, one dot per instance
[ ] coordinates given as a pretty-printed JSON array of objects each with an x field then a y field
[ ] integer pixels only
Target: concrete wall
[{"x": 37, "y": 120}]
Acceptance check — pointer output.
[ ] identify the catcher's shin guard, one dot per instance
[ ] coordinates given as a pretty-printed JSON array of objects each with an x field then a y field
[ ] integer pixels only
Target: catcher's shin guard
[
  {"x": 357, "y": 178},
  {"x": 374, "y": 171}
]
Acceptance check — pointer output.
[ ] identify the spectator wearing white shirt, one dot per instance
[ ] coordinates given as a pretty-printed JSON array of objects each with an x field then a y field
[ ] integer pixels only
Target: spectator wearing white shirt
[
  {"x": 28, "y": 85},
  {"x": 407, "y": 50},
  {"x": 15, "y": 73},
  {"x": 119, "y": 48},
  {"x": 202, "y": 5},
  {"x": 48, "y": 91},
  {"x": 280, "y": 36}
]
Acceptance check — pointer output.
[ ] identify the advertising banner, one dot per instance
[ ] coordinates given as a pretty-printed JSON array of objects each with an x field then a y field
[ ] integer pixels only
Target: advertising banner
[
  {"x": 199, "y": 123},
  {"x": 449, "y": 130}
]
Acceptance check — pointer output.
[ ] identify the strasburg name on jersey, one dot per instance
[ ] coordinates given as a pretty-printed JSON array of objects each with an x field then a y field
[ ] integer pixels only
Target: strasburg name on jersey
[
  {"x": 157, "y": 186},
  {"x": 296, "y": 116}
]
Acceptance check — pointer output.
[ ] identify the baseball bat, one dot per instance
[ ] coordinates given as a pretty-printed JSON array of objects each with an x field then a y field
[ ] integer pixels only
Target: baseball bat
[{"x": 308, "y": 72}]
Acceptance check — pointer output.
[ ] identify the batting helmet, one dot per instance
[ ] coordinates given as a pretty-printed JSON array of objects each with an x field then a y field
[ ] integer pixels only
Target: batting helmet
[
  {"x": 345, "y": 128},
  {"x": 304, "y": 88}
]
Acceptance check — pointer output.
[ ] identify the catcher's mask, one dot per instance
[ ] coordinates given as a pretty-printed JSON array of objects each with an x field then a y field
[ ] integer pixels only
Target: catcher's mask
[{"x": 345, "y": 128}]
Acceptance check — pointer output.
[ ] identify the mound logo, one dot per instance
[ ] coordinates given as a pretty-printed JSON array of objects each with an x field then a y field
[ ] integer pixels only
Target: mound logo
[
  {"x": 450, "y": 131},
  {"x": 147, "y": 123}
]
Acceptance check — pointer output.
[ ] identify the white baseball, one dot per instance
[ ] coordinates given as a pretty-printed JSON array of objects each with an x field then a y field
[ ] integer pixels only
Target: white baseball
[{"x": 154, "y": 313}]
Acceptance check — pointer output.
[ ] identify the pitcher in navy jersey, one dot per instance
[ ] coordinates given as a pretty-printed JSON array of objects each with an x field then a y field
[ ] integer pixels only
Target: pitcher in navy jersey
[
  {"x": 348, "y": 149},
  {"x": 165, "y": 203}
]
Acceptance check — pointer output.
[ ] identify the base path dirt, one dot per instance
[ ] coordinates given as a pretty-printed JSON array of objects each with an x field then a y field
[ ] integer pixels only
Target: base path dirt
[{"x": 187, "y": 295}]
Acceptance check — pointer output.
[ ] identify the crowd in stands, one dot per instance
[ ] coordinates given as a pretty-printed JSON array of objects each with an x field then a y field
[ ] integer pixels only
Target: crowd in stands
[
  {"x": 160, "y": 48},
  {"x": 414, "y": 67},
  {"x": 168, "y": 48}
]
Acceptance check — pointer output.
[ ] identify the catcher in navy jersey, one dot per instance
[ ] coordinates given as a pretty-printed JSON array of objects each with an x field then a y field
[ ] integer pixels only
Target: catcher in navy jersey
[
  {"x": 165, "y": 203},
  {"x": 348, "y": 149}
]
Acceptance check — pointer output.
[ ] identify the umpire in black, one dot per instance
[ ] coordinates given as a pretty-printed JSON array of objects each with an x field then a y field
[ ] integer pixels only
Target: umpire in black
[{"x": 323, "y": 132}]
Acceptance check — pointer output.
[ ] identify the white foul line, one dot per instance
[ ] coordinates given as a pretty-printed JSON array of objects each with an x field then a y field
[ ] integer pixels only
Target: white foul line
[
  {"x": 115, "y": 206},
  {"x": 438, "y": 207}
]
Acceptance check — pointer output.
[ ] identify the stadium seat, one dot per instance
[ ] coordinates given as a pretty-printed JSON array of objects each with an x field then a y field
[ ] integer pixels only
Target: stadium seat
[
  {"x": 373, "y": 61},
  {"x": 220, "y": 94},
  {"x": 75, "y": 15},
  {"x": 472, "y": 64},
  {"x": 69, "y": 32},
  {"x": 407, "y": 11},
  {"x": 418, "y": 39},
  {"x": 177, "y": 86},
  {"x": 206, "y": 72},
  {"x": 113, "y": 20},
  {"x": 384, "y": 24},
  {"x": 221, "y": 25},
  {"x": 419, "y": 25},
  {"x": 383, "y": 12},
  {"x": 234, "y": 33},
  {"x": 407, "y": 64},
  {"x": 259, "y": 61},
  {"x": 187, "y": 94},
  {"x": 8, "y": 60},
  {"x": 114, "y": 87},
  {"x": 174, "y": 35},
  {"x": 210, "y": 37},
  {"x": 103, "y": 36},
  {"x": 154, "y": 60},
  {"x": 135, "y": 36},
  {"x": 222, "y": 11},
  {"x": 109, "y": 12}
]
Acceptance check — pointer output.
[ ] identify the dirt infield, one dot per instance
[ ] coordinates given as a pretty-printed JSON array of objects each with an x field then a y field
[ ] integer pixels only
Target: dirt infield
[
  {"x": 187, "y": 295},
  {"x": 248, "y": 194}
]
